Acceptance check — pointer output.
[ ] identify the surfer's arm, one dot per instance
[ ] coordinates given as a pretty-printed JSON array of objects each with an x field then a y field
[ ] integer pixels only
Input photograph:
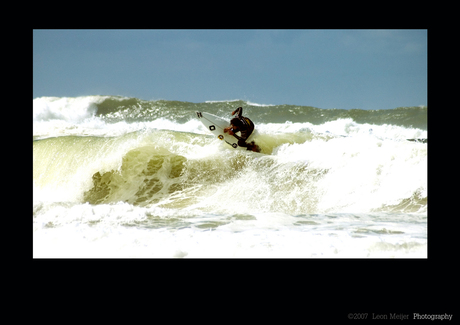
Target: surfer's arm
[
  {"x": 229, "y": 130},
  {"x": 238, "y": 112},
  {"x": 240, "y": 139}
]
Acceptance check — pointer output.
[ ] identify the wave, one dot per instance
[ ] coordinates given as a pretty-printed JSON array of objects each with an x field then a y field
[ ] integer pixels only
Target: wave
[
  {"x": 112, "y": 173},
  {"x": 300, "y": 172},
  {"x": 114, "y": 109}
]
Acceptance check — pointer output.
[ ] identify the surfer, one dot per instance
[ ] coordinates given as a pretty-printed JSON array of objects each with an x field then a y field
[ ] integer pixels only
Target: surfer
[{"x": 245, "y": 127}]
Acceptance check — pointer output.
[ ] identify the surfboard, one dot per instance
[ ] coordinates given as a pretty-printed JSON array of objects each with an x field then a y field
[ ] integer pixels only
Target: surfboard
[{"x": 216, "y": 125}]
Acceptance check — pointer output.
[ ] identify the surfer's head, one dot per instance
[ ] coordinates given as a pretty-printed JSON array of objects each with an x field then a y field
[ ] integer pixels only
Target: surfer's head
[{"x": 237, "y": 122}]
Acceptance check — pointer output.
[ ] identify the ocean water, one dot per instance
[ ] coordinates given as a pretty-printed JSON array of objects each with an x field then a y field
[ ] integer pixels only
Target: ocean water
[{"x": 124, "y": 177}]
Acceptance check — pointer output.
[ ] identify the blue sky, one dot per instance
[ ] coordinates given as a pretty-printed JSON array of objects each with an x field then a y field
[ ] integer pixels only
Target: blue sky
[{"x": 366, "y": 69}]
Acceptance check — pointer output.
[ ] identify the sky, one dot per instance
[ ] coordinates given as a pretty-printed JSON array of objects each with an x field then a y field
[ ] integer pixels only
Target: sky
[{"x": 344, "y": 69}]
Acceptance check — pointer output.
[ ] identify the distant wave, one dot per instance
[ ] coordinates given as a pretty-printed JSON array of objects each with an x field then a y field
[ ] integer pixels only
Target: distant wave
[{"x": 117, "y": 108}]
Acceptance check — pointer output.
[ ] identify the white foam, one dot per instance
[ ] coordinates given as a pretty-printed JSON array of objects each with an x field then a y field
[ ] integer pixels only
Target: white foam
[
  {"x": 95, "y": 126},
  {"x": 348, "y": 127},
  {"x": 345, "y": 128},
  {"x": 70, "y": 109},
  {"x": 221, "y": 101},
  {"x": 89, "y": 231},
  {"x": 260, "y": 105},
  {"x": 237, "y": 100}
]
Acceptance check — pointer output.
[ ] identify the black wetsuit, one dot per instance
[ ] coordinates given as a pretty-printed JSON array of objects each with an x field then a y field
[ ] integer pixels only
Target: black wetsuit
[{"x": 246, "y": 129}]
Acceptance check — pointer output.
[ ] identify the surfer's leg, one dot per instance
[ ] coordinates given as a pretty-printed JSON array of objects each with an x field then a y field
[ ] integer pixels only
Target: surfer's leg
[
  {"x": 242, "y": 143},
  {"x": 249, "y": 146},
  {"x": 253, "y": 147}
]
